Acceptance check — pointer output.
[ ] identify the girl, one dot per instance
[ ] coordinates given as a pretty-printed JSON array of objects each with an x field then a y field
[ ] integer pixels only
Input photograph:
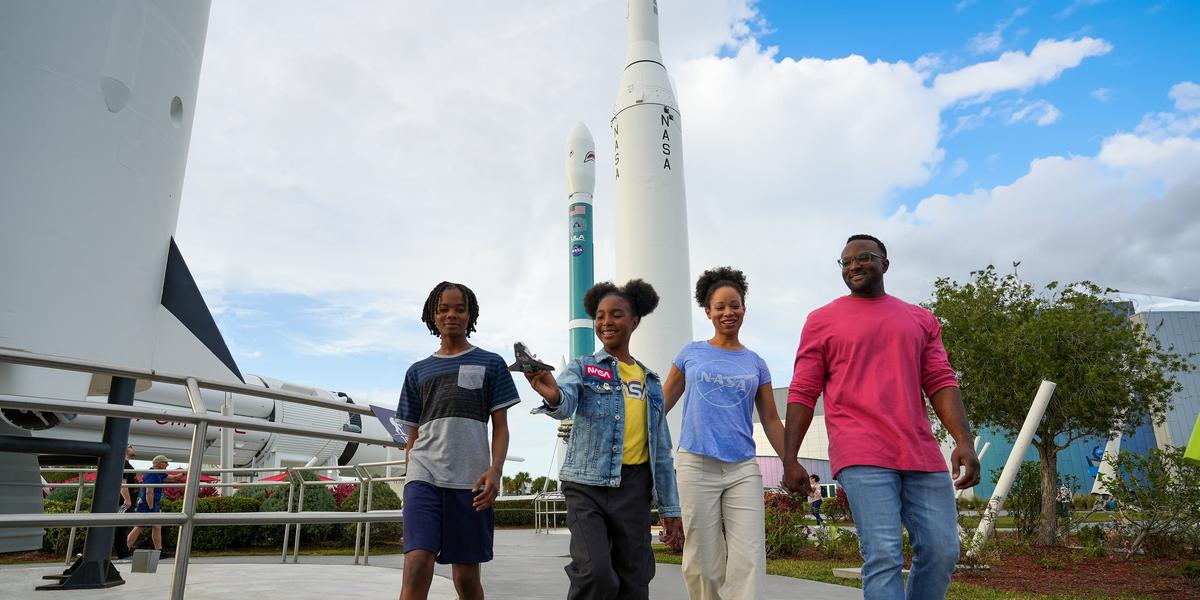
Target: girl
[
  {"x": 720, "y": 485},
  {"x": 619, "y": 453}
]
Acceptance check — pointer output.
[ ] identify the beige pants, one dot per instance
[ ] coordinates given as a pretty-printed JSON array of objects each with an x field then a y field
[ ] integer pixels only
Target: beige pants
[{"x": 724, "y": 552}]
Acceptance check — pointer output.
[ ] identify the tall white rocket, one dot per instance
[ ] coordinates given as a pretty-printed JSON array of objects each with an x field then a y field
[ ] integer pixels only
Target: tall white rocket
[{"x": 651, "y": 209}]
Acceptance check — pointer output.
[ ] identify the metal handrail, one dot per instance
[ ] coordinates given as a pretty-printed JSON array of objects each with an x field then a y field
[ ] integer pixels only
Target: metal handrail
[
  {"x": 82, "y": 483},
  {"x": 365, "y": 476},
  {"x": 545, "y": 510},
  {"x": 200, "y": 418},
  {"x": 20, "y": 357}
]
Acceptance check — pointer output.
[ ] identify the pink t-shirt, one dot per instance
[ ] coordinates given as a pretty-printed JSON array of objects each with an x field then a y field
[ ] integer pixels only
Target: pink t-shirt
[{"x": 872, "y": 358}]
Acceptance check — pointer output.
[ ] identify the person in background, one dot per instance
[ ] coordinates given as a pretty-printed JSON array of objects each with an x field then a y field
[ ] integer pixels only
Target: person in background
[
  {"x": 120, "y": 538},
  {"x": 814, "y": 497},
  {"x": 150, "y": 501}
]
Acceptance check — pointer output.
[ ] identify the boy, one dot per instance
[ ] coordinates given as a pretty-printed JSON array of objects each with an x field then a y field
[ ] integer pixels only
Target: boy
[{"x": 452, "y": 478}]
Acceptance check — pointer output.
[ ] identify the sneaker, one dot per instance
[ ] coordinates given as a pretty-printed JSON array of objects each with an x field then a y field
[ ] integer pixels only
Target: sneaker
[{"x": 124, "y": 559}]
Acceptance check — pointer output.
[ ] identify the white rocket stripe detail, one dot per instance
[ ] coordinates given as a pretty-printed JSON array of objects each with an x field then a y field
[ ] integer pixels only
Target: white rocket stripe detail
[{"x": 580, "y": 324}]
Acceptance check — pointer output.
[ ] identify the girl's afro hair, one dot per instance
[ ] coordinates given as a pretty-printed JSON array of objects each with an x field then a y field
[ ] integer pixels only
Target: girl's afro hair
[
  {"x": 640, "y": 295},
  {"x": 714, "y": 279}
]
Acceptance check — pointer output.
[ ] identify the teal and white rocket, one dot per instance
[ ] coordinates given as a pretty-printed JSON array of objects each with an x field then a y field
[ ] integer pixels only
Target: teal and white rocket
[{"x": 581, "y": 183}]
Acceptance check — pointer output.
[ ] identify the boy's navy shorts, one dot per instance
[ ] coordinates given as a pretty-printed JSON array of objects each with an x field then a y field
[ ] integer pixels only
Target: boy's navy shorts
[{"x": 443, "y": 521}]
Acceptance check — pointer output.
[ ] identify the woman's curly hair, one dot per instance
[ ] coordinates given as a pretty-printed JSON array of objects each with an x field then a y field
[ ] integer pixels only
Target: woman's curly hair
[
  {"x": 714, "y": 279},
  {"x": 641, "y": 296}
]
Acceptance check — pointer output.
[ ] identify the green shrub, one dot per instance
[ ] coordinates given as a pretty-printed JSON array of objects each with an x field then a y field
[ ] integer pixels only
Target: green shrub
[
  {"x": 1157, "y": 498},
  {"x": 260, "y": 492},
  {"x": 382, "y": 498},
  {"x": 68, "y": 494},
  {"x": 221, "y": 537},
  {"x": 513, "y": 517},
  {"x": 1024, "y": 501},
  {"x": 786, "y": 534},
  {"x": 56, "y": 538},
  {"x": 837, "y": 543},
  {"x": 317, "y": 498}
]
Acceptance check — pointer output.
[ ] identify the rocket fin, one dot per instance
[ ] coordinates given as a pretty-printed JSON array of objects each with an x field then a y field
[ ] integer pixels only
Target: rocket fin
[{"x": 181, "y": 297}]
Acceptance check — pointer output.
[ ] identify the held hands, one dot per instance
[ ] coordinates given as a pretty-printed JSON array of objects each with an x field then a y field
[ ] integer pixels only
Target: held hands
[
  {"x": 964, "y": 465},
  {"x": 795, "y": 477},
  {"x": 672, "y": 532},
  {"x": 487, "y": 488},
  {"x": 544, "y": 384}
]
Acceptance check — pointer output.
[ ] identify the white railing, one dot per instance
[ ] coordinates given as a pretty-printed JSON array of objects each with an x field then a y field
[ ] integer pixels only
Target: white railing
[{"x": 200, "y": 419}]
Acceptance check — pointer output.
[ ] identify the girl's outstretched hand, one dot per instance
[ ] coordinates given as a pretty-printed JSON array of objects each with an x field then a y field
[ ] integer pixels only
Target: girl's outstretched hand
[{"x": 544, "y": 384}]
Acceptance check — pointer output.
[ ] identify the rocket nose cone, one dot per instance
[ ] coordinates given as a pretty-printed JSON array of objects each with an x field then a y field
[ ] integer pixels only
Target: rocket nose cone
[{"x": 580, "y": 136}]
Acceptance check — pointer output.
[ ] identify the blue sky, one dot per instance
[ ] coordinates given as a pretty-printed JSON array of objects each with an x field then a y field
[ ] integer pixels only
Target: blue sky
[
  {"x": 1154, "y": 47},
  {"x": 330, "y": 186}
]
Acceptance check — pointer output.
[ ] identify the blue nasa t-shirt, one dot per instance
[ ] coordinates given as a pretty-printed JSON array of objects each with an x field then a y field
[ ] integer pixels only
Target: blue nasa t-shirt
[{"x": 718, "y": 400}]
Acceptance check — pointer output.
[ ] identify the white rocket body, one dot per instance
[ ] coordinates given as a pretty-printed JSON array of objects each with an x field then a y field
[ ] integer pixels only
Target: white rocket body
[
  {"x": 96, "y": 109},
  {"x": 651, "y": 208},
  {"x": 151, "y": 437}
]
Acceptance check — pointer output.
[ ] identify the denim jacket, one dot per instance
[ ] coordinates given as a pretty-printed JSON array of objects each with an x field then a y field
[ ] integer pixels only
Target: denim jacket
[{"x": 590, "y": 393}]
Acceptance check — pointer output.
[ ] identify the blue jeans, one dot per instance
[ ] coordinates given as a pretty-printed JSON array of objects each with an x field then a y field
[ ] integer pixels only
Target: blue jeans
[{"x": 881, "y": 499}]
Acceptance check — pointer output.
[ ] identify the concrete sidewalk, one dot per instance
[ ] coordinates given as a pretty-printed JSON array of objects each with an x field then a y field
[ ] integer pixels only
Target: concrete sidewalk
[{"x": 527, "y": 566}]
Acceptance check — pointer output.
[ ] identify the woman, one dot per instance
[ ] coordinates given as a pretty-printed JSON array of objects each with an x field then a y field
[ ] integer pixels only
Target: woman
[
  {"x": 720, "y": 486},
  {"x": 619, "y": 454}
]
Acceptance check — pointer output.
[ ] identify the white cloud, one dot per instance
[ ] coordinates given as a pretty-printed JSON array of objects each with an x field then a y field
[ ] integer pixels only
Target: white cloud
[
  {"x": 1040, "y": 111},
  {"x": 1102, "y": 94},
  {"x": 988, "y": 42},
  {"x": 985, "y": 43},
  {"x": 963, "y": 5},
  {"x": 1186, "y": 95},
  {"x": 1076, "y": 6},
  {"x": 1018, "y": 70},
  {"x": 959, "y": 167}
]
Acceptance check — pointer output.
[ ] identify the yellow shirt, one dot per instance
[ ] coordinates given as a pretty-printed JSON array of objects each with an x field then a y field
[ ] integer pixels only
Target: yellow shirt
[{"x": 633, "y": 383}]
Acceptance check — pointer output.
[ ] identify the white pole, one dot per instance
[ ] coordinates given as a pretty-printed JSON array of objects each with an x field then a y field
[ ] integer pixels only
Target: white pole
[
  {"x": 1040, "y": 401},
  {"x": 227, "y": 447},
  {"x": 1111, "y": 449}
]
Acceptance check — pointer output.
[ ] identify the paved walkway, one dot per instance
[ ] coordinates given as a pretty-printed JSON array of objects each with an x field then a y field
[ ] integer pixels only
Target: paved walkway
[{"x": 528, "y": 566}]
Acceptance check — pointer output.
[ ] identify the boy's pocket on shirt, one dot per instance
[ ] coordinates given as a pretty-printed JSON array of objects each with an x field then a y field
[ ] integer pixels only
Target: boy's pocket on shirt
[{"x": 471, "y": 376}]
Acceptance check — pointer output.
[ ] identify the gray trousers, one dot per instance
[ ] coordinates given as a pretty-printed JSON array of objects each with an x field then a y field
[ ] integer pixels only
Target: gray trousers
[{"x": 611, "y": 556}]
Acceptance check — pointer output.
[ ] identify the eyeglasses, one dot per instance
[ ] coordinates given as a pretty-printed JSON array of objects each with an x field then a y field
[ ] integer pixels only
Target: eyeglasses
[{"x": 861, "y": 259}]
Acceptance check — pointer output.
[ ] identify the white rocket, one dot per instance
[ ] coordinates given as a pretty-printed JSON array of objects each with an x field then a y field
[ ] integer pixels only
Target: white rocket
[{"x": 651, "y": 209}]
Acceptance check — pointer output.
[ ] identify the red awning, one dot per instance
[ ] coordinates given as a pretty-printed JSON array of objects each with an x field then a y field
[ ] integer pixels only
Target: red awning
[{"x": 283, "y": 476}]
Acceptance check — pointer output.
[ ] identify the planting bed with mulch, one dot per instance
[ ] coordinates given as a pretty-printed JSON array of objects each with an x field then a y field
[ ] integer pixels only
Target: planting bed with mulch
[{"x": 1066, "y": 571}]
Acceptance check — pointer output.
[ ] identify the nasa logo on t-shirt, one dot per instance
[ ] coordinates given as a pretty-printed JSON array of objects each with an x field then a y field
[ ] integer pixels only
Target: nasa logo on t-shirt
[
  {"x": 724, "y": 384},
  {"x": 633, "y": 389}
]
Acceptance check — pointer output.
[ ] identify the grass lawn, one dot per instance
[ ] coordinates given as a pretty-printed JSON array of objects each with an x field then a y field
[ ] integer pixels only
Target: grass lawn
[{"x": 817, "y": 570}]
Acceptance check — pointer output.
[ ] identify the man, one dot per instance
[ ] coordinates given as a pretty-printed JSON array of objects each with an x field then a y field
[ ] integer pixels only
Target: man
[
  {"x": 874, "y": 358},
  {"x": 150, "y": 500},
  {"x": 120, "y": 541}
]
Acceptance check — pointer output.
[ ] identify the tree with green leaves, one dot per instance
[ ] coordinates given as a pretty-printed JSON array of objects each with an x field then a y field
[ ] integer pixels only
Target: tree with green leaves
[
  {"x": 543, "y": 484},
  {"x": 1004, "y": 337},
  {"x": 516, "y": 484}
]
